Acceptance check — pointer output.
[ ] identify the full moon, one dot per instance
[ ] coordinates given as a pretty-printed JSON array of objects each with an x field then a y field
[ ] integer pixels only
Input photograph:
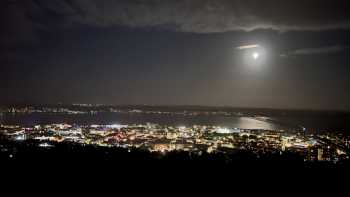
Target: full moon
[{"x": 256, "y": 55}]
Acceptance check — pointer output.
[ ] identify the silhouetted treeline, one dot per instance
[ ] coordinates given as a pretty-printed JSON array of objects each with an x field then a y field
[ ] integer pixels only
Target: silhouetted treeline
[{"x": 72, "y": 154}]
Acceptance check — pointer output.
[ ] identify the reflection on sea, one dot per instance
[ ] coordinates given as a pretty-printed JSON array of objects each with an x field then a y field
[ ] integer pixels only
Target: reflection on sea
[{"x": 122, "y": 118}]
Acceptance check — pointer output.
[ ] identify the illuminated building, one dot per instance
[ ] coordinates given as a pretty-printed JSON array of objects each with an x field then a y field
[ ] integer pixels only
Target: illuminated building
[{"x": 320, "y": 154}]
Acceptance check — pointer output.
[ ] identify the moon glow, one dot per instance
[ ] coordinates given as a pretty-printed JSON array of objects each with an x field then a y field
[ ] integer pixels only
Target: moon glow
[{"x": 255, "y": 55}]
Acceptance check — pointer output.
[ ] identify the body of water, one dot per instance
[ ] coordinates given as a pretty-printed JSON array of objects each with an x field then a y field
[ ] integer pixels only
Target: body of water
[{"x": 134, "y": 118}]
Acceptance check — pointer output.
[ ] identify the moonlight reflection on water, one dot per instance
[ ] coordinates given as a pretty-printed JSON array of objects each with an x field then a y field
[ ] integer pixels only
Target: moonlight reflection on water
[{"x": 171, "y": 120}]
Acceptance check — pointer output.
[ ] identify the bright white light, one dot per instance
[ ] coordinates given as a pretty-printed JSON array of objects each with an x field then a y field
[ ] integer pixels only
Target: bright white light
[
  {"x": 20, "y": 138},
  {"x": 256, "y": 55},
  {"x": 182, "y": 128},
  {"x": 45, "y": 145},
  {"x": 228, "y": 131},
  {"x": 116, "y": 126},
  {"x": 223, "y": 131}
]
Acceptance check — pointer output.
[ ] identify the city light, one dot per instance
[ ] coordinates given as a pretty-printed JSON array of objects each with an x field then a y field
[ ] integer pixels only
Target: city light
[
  {"x": 164, "y": 139},
  {"x": 223, "y": 131},
  {"x": 195, "y": 139}
]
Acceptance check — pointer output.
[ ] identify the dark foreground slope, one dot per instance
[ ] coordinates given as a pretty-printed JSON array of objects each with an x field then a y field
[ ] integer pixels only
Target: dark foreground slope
[
  {"x": 70, "y": 154},
  {"x": 69, "y": 164}
]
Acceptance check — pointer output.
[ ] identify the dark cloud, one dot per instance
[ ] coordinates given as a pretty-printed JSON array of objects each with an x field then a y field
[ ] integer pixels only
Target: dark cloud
[
  {"x": 207, "y": 16},
  {"x": 315, "y": 51},
  {"x": 320, "y": 50},
  {"x": 201, "y": 16}
]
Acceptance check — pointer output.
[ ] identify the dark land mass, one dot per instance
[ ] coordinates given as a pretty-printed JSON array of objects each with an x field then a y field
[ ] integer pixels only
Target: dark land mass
[
  {"x": 68, "y": 154},
  {"x": 180, "y": 108}
]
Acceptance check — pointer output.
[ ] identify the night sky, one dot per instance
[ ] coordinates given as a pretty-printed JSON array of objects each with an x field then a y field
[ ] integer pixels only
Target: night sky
[{"x": 177, "y": 52}]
